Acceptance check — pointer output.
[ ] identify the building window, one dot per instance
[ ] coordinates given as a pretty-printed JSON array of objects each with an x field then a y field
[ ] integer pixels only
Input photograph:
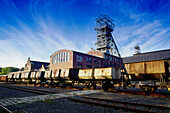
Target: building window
[
  {"x": 89, "y": 60},
  {"x": 118, "y": 65},
  {"x": 101, "y": 62},
  {"x": 110, "y": 58},
  {"x": 96, "y": 61},
  {"x": 106, "y": 64},
  {"x": 79, "y": 66},
  {"x": 89, "y": 66},
  {"x": 118, "y": 60},
  {"x": 106, "y": 57},
  {"x": 79, "y": 58},
  {"x": 114, "y": 64},
  {"x": 114, "y": 59},
  {"x": 61, "y": 57},
  {"x": 111, "y": 64}
]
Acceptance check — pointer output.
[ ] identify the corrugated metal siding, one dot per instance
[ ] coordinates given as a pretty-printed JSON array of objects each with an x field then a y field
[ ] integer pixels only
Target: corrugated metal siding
[{"x": 146, "y": 67}]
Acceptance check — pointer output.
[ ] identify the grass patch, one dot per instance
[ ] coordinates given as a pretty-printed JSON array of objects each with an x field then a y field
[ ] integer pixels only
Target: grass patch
[{"x": 47, "y": 101}]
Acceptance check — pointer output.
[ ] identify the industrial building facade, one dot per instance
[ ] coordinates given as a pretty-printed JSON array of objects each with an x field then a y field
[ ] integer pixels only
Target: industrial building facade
[
  {"x": 150, "y": 65},
  {"x": 63, "y": 59},
  {"x": 36, "y": 65}
]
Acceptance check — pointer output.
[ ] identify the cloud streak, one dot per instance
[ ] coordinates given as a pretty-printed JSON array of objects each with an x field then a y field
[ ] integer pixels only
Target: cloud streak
[{"x": 38, "y": 28}]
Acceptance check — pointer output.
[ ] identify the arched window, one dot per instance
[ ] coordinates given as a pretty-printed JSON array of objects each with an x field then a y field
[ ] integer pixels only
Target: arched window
[{"x": 61, "y": 57}]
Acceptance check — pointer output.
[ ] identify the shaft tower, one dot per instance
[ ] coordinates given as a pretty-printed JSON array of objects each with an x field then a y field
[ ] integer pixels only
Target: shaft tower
[{"x": 105, "y": 41}]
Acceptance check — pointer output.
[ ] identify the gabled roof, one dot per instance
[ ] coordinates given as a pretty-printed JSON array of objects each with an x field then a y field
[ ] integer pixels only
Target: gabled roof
[
  {"x": 38, "y": 64},
  {"x": 149, "y": 56}
]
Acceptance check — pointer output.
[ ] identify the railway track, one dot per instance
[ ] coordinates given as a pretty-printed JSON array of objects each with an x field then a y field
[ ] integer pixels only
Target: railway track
[
  {"x": 30, "y": 90},
  {"x": 45, "y": 92},
  {"x": 4, "y": 109},
  {"x": 126, "y": 106},
  {"x": 140, "y": 93}
]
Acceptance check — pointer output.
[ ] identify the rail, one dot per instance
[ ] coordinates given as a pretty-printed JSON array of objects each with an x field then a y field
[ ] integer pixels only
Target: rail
[
  {"x": 31, "y": 90},
  {"x": 4, "y": 109},
  {"x": 127, "y": 106}
]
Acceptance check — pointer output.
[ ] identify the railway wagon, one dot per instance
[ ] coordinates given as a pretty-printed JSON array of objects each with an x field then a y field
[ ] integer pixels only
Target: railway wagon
[
  {"x": 107, "y": 77},
  {"x": 68, "y": 76},
  {"x": 17, "y": 77},
  {"x": 39, "y": 78},
  {"x": 25, "y": 77},
  {"x": 87, "y": 76},
  {"x": 63, "y": 77},
  {"x": 10, "y": 77},
  {"x": 55, "y": 74},
  {"x": 90, "y": 77},
  {"x": 47, "y": 77},
  {"x": 3, "y": 78},
  {"x": 150, "y": 75},
  {"x": 33, "y": 77}
]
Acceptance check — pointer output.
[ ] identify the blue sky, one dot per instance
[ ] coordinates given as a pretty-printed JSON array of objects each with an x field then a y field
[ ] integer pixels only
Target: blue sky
[{"x": 38, "y": 28}]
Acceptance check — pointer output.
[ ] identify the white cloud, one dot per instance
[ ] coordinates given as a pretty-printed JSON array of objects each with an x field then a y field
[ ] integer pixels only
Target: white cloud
[
  {"x": 149, "y": 36},
  {"x": 21, "y": 43}
]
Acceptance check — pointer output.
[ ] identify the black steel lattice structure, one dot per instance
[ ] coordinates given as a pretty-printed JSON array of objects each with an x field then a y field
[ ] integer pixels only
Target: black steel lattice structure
[{"x": 105, "y": 41}]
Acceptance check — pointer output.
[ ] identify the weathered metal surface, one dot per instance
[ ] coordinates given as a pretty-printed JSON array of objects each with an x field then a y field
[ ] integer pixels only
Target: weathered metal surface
[
  {"x": 38, "y": 74},
  {"x": 107, "y": 73},
  {"x": 151, "y": 67},
  {"x": 18, "y": 75},
  {"x": 33, "y": 75},
  {"x": 64, "y": 73},
  {"x": 23, "y": 75},
  {"x": 86, "y": 74},
  {"x": 55, "y": 74},
  {"x": 3, "y": 77},
  {"x": 47, "y": 74},
  {"x": 15, "y": 75},
  {"x": 26, "y": 75}
]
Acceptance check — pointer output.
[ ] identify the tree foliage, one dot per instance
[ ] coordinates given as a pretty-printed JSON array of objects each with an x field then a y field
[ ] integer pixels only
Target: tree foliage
[{"x": 7, "y": 70}]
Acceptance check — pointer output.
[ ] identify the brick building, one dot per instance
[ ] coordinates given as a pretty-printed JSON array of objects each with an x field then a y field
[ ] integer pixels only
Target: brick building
[
  {"x": 72, "y": 59},
  {"x": 36, "y": 65}
]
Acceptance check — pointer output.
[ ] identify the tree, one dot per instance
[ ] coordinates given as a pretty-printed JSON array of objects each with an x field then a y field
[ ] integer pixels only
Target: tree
[{"x": 7, "y": 70}]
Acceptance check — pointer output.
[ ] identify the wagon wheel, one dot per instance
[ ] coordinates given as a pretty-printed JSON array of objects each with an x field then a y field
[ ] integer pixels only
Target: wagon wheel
[
  {"x": 94, "y": 85},
  {"x": 56, "y": 84},
  {"x": 72, "y": 85},
  {"x": 105, "y": 86},
  {"x": 48, "y": 84},
  {"x": 149, "y": 90},
  {"x": 64, "y": 86},
  {"x": 42, "y": 84},
  {"x": 88, "y": 86}
]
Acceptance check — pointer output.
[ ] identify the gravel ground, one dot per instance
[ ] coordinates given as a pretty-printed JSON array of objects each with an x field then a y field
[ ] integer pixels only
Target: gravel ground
[
  {"x": 8, "y": 93},
  {"x": 60, "y": 106},
  {"x": 57, "y": 90},
  {"x": 133, "y": 98},
  {"x": 64, "y": 105}
]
